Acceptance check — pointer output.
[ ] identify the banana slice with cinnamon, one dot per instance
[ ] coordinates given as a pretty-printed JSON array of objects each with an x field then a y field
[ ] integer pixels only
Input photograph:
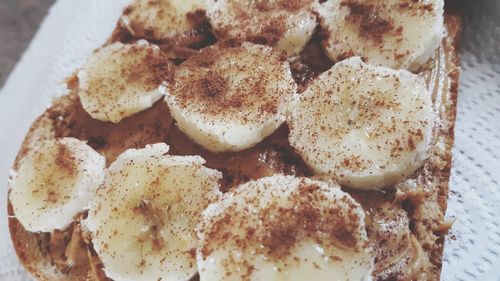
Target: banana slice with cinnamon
[
  {"x": 284, "y": 228},
  {"x": 284, "y": 24},
  {"x": 161, "y": 19},
  {"x": 365, "y": 126},
  {"x": 54, "y": 183},
  {"x": 230, "y": 96},
  {"x": 120, "y": 80},
  {"x": 142, "y": 221},
  {"x": 393, "y": 33}
]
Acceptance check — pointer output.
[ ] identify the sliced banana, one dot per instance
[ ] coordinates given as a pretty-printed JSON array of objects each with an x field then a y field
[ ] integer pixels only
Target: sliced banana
[
  {"x": 229, "y": 97},
  {"x": 143, "y": 219},
  {"x": 54, "y": 182},
  {"x": 120, "y": 80},
  {"x": 392, "y": 33},
  {"x": 284, "y": 24},
  {"x": 367, "y": 127},
  {"x": 161, "y": 19},
  {"x": 284, "y": 228}
]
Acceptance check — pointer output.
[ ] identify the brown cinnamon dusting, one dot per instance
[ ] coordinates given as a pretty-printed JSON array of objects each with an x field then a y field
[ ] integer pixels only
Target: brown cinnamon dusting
[
  {"x": 181, "y": 46},
  {"x": 204, "y": 87},
  {"x": 153, "y": 69},
  {"x": 280, "y": 239},
  {"x": 65, "y": 160},
  {"x": 354, "y": 163},
  {"x": 371, "y": 24},
  {"x": 262, "y": 22},
  {"x": 155, "y": 219},
  {"x": 262, "y": 5},
  {"x": 213, "y": 85},
  {"x": 411, "y": 143},
  {"x": 161, "y": 69},
  {"x": 288, "y": 5},
  {"x": 270, "y": 34},
  {"x": 52, "y": 197},
  {"x": 213, "y": 92},
  {"x": 282, "y": 227},
  {"x": 292, "y": 5}
]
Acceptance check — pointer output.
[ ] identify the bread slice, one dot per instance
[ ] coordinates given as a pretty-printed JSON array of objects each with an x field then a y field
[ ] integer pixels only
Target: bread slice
[{"x": 412, "y": 252}]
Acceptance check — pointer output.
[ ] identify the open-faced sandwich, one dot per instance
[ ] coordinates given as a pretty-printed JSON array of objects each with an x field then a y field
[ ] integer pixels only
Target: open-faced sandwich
[{"x": 247, "y": 140}]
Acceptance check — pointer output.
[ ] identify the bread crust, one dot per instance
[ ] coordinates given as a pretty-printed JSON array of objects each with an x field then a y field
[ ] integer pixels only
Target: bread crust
[
  {"x": 38, "y": 255},
  {"x": 33, "y": 249}
]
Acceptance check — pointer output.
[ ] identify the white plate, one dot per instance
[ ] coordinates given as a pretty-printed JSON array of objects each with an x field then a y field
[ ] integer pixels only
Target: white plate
[{"x": 74, "y": 28}]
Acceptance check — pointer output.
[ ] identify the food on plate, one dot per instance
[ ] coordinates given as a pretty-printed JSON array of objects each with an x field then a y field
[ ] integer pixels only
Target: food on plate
[{"x": 247, "y": 140}]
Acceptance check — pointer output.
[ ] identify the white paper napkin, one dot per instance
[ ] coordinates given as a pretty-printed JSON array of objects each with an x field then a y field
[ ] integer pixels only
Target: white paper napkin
[{"x": 74, "y": 28}]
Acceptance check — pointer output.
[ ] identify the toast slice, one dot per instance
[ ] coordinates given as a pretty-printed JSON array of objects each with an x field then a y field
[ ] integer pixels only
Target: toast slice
[{"x": 415, "y": 207}]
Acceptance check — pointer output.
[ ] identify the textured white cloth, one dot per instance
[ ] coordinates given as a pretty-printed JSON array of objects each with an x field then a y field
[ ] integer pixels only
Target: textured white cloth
[{"x": 74, "y": 28}]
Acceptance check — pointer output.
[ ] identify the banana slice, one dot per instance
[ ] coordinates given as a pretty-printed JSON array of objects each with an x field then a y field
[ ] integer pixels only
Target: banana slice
[
  {"x": 143, "y": 219},
  {"x": 392, "y": 33},
  {"x": 284, "y": 228},
  {"x": 229, "y": 97},
  {"x": 120, "y": 80},
  {"x": 54, "y": 182},
  {"x": 284, "y": 24},
  {"x": 365, "y": 126},
  {"x": 160, "y": 19}
]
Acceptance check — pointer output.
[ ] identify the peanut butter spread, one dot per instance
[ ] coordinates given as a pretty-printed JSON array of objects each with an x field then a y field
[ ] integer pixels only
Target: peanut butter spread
[{"x": 405, "y": 225}]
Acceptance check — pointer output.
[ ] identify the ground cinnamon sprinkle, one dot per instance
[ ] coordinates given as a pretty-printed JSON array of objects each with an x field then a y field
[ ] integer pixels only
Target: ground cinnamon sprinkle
[
  {"x": 217, "y": 232},
  {"x": 288, "y": 5},
  {"x": 354, "y": 163},
  {"x": 213, "y": 85},
  {"x": 52, "y": 197},
  {"x": 65, "y": 160},
  {"x": 371, "y": 24},
  {"x": 411, "y": 143},
  {"x": 293, "y": 5},
  {"x": 281, "y": 227},
  {"x": 161, "y": 68},
  {"x": 261, "y": 21},
  {"x": 428, "y": 7},
  {"x": 206, "y": 83},
  {"x": 271, "y": 33},
  {"x": 151, "y": 68},
  {"x": 262, "y": 5},
  {"x": 212, "y": 89}
]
